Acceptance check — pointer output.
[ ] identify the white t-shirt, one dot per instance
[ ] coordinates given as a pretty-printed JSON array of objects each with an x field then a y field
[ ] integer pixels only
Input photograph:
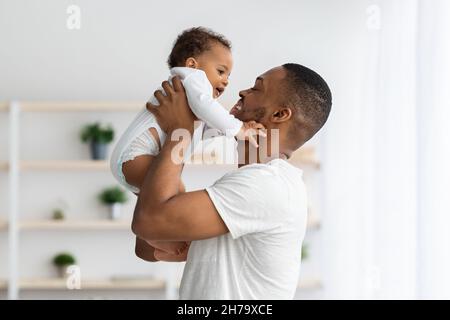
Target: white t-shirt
[{"x": 264, "y": 207}]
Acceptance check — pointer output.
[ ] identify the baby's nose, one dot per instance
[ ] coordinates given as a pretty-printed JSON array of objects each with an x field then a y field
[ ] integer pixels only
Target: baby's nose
[{"x": 225, "y": 82}]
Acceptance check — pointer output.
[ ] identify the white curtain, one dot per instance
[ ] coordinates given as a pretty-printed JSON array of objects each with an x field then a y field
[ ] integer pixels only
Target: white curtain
[
  {"x": 386, "y": 224},
  {"x": 434, "y": 149}
]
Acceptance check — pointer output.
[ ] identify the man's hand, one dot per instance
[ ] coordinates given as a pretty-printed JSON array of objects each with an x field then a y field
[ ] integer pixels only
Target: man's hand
[
  {"x": 172, "y": 247},
  {"x": 173, "y": 111},
  {"x": 169, "y": 257}
]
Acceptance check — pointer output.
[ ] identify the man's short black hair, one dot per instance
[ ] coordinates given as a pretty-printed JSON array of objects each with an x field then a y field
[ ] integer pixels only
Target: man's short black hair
[
  {"x": 192, "y": 43},
  {"x": 309, "y": 94}
]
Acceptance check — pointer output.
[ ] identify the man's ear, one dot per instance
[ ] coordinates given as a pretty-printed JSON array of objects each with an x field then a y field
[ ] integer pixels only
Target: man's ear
[
  {"x": 281, "y": 115},
  {"x": 191, "y": 63}
]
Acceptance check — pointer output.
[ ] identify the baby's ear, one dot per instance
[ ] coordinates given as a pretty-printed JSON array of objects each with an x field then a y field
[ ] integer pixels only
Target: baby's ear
[{"x": 191, "y": 63}]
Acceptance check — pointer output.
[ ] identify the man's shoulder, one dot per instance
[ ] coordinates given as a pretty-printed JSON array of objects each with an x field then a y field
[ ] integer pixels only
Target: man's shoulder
[
  {"x": 270, "y": 175},
  {"x": 273, "y": 168}
]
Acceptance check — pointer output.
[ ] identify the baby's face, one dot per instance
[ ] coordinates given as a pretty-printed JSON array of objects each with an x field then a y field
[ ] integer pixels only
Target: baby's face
[{"x": 217, "y": 64}]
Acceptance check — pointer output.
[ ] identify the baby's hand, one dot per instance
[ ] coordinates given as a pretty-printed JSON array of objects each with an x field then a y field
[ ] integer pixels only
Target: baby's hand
[{"x": 249, "y": 131}]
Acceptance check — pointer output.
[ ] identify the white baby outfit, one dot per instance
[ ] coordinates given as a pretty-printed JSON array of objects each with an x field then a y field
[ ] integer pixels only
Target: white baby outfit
[{"x": 137, "y": 140}]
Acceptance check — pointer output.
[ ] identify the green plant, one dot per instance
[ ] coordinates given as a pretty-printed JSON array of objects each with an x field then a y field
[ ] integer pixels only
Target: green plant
[
  {"x": 97, "y": 133},
  {"x": 64, "y": 259},
  {"x": 305, "y": 251},
  {"x": 58, "y": 214},
  {"x": 113, "y": 195}
]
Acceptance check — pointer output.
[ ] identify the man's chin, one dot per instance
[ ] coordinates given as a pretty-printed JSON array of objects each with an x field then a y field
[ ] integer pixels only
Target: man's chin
[{"x": 238, "y": 114}]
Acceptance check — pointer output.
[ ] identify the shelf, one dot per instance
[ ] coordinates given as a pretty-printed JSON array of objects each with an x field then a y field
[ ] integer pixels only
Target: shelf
[
  {"x": 60, "y": 284},
  {"x": 75, "y": 225},
  {"x": 65, "y": 165},
  {"x": 305, "y": 156},
  {"x": 302, "y": 157},
  {"x": 313, "y": 221},
  {"x": 80, "y": 106},
  {"x": 3, "y": 225},
  {"x": 309, "y": 284}
]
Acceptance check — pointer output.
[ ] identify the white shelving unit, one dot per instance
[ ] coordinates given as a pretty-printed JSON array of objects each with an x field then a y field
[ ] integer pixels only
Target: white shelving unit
[
  {"x": 14, "y": 226},
  {"x": 310, "y": 284},
  {"x": 15, "y": 166}
]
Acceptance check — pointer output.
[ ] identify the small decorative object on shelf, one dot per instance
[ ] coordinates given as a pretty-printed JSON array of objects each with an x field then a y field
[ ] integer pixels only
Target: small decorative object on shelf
[
  {"x": 305, "y": 251},
  {"x": 60, "y": 209},
  {"x": 62, "y": 261},
  {"x": 114, "y": 197},
  {"x": 98, "y": 137},
  {"x": 58, "y": 214}
]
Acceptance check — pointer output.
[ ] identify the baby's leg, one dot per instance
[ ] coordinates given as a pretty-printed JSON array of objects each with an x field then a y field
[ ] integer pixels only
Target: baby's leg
[{"x": 135, "y": 170}]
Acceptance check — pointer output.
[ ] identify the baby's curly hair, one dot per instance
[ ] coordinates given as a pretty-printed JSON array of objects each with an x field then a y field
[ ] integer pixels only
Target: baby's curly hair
[{"x": 192, "y": 43}]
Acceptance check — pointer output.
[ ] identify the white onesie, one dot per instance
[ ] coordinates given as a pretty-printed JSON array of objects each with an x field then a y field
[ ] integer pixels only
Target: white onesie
[{"x": 137, "y": 140}]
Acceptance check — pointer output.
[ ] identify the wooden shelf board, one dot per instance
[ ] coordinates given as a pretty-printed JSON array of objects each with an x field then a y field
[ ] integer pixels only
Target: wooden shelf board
[
  {"x": 65, "y": 165},
  {"x": 313, "y": 221},
  {"x": 309, "y": 284},
  {"x": 75, "y": 225},
  {"x": 3, "y": 225},
  {"x": 93, "y": 284},
  {"x": 3, "y": 165},
  {"x": 305, "y": 156},
  {"x": 67, "y": 106}
]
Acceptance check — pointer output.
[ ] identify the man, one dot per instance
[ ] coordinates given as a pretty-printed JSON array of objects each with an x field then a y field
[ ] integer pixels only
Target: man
[{"x": 247, "y": 229}]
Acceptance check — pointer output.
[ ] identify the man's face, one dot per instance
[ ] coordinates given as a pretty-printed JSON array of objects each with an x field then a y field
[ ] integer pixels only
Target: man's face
[{"x": 258, "y": 102}]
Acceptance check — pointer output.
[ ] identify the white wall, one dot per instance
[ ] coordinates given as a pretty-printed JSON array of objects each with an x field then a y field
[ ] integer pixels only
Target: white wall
[
  {"x": 119, "y": 54},
  {"x": 120, "y": 51}
]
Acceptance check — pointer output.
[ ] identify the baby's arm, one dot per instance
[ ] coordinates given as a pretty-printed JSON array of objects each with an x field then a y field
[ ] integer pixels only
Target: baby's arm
[
  {"x": 198, "y": 91},
  {"x": 206, "y": 108}
]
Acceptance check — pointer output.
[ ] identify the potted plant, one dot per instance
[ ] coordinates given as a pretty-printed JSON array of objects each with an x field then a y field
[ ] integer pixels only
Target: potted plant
[
  {"x": 98, "y": 136},
  {"x": 58, "y": 214},
  {"x": 114, "y": 197},
  {"x": 62, "y": 261},
  {"x": 305, "y": 251}
]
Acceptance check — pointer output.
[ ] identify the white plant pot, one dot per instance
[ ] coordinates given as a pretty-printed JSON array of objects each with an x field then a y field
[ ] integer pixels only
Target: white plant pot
[
  {"x": 62, "y": 271},
  {"x": 116, "y": 211}
]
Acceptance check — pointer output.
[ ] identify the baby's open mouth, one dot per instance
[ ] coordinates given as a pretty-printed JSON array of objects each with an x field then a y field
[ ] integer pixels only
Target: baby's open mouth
[{"x": 218, "y": 92}]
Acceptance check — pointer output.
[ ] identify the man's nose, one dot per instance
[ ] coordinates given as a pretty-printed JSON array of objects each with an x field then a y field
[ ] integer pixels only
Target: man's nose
[{"x": 242, "y": 93}]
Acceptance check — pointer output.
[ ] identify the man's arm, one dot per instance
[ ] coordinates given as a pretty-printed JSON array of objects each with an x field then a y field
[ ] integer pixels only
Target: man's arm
[
  {"x": 169, "y": 251},
  {"x": 163, "y": 214}
]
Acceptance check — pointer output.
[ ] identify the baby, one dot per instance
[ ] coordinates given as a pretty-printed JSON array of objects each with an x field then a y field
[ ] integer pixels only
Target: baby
[{"x": 203, "y": 61}]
